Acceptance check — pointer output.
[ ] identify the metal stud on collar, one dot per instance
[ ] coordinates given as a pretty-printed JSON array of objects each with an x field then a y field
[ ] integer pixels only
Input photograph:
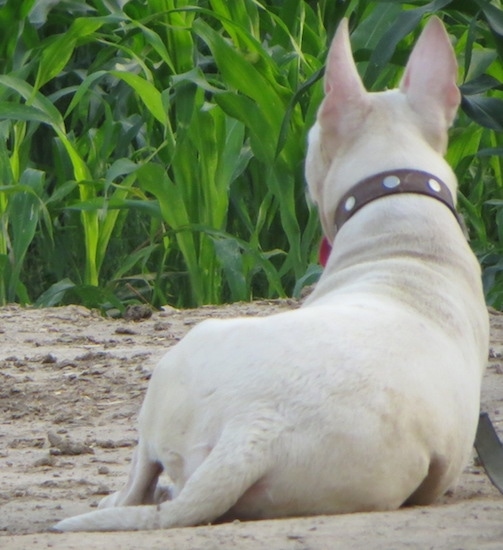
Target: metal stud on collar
[
  {"x": 349, "y": 204},
  {"x": 434, "y": 185},
  {"x": 390, "y": 182}
]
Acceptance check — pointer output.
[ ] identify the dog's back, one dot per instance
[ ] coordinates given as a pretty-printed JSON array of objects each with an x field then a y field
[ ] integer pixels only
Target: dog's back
[{"x": 366, "y": 397}]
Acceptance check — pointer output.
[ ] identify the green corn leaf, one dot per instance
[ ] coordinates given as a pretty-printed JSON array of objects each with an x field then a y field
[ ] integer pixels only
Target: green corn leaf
[
  {"x": 464, "y": 143},
  {"x": 56, "y": 55},
  {"x": 24, "y": 212},
  {"x": 486, "y": 111},
  {"x": 18, "y": 111},
  {"x": 370, "y": 31},
  {"x": 120, "y": 167},
  {"x": 4, "y": 277},
  {"x": 481, "y": 84},
  {"x": 137, "y": 257},
  {"x": 230, "y": 256},
  {"x": 55, "y": 294},
  {"x": 400, "y": 27},
  {"x": 83, "y": 89},
  {"x": 244, "y": 109},
  {"x": 147, "y": 92},
  {"x": 240, "y": 19},
  {"x": 241, "y": 75},
  {"x": 108, "y": 222},
  {"x": 153, "y": 179},
  {"x": 42, "y": 110},
  {"x": 493, "y": 14},
  {"x": 233, "y": 156},
  {"x": 35, "y": 100},
  {"x": 312, "y": 275},
  {"x": 100, "y": 204},
  {"x": 159, "y": 46}
]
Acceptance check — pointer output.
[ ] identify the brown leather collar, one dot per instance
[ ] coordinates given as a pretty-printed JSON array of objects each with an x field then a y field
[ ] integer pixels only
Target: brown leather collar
[{"x": 390, "y": 183}]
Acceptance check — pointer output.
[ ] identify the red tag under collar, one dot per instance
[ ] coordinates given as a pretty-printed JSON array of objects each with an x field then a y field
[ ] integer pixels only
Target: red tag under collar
[{"x": 325, "y": 249}]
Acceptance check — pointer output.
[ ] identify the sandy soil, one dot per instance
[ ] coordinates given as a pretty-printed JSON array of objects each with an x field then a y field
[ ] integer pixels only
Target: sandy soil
[{"x": 71, "y": 386}]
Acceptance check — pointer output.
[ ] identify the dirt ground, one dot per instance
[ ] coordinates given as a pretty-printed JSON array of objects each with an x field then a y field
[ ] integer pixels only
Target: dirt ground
[{"x": 72, "y": 383}]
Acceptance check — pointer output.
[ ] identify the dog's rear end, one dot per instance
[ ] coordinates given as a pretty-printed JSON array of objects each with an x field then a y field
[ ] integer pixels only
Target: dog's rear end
[{"x": 365, "y": 398}]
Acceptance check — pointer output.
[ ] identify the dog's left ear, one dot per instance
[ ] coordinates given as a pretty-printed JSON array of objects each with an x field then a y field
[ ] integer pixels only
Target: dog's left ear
[{"x": 430, "y": 76}]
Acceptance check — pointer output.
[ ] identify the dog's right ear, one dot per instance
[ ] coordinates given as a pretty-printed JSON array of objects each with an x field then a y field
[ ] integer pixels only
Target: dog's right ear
[
  {"x": 339, "y": 118},
  {"x": 341, "y": 75},
  {"x": 345, "y": 94}
]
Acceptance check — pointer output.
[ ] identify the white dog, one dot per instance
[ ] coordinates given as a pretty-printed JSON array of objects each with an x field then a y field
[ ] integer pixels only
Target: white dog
[{"x": 365, "y": 398}]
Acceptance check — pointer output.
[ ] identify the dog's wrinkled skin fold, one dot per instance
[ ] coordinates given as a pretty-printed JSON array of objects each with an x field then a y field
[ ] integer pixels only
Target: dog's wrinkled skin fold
[{"x": 365, "y": 398}]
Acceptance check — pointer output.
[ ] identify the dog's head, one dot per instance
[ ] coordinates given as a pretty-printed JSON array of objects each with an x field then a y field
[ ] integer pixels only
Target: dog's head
[{"x": 359, "y": 133}]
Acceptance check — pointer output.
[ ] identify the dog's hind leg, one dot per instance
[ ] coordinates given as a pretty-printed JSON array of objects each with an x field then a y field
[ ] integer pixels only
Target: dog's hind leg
[
  {"x": 432, "y": 486},
  {"x": 241, "y": 457},
  {"x": 141, "y": 487}
]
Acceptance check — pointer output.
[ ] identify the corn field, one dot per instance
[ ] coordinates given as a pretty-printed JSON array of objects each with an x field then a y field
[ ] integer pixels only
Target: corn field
[{"x": 151, "y": 151}]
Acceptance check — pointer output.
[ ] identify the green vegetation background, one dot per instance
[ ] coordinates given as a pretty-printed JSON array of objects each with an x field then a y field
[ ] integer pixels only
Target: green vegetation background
[{"x": 152, "y": 150}]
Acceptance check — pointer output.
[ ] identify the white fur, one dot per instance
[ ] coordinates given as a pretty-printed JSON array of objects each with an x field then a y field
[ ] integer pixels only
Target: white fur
[{"x": 366, "y": 397}]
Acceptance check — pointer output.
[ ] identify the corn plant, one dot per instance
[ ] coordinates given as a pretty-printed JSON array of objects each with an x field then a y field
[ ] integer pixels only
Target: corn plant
[{"x": 153, "y": 151}]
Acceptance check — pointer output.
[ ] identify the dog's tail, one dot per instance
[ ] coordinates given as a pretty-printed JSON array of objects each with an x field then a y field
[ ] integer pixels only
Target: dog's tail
[
  {"x": 123, "y": 518},
  {"x": 199, "y": 503},
  {"x": 239, "y": 459}
]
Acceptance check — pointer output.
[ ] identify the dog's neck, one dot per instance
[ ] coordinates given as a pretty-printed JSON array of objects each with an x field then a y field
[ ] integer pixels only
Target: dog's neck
[
  {"x": 377, "y": 252},
  {"x": 389, "y": 183},
  {"x": 385, "y": 184}
]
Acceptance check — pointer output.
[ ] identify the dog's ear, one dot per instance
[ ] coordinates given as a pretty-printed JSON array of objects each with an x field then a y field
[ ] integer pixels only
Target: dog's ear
[
  {"x": 340, "y": 114},
  {"x": 429, "y": 80},
  {"x": 343, "y": 86},
  {"x": 341, "y": 76}
]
